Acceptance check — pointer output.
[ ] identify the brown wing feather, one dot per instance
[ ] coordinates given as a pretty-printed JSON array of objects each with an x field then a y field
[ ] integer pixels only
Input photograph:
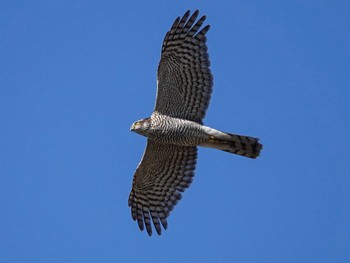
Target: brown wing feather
[
  {"x": 163, "y": 173},
  {"x": 184, "y": 77}
]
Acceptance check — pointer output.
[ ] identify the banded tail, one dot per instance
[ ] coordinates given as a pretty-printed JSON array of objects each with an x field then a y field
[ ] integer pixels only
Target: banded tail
[{"x": 233, "y": 143}]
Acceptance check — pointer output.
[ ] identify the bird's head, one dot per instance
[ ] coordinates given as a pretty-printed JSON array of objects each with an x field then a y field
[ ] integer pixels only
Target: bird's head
[{"x": 141, "y": 127}]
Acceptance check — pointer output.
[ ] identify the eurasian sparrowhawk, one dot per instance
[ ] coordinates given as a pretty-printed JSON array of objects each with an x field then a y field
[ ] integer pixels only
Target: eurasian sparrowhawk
[{"x": 175, "y": 128}]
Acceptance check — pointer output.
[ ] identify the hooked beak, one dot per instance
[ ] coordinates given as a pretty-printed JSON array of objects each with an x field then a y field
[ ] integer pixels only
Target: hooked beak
[{"x": 135, "y": 126}]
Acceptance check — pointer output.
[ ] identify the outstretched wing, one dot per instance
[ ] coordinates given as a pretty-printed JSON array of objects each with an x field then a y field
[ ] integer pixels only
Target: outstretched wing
[
  {"x": 163, "y": 173},
  {"x": 184, "y": 78}
]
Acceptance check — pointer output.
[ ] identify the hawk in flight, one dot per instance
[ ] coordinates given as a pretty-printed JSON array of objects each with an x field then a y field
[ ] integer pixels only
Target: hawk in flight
[{"x": 175, "y": 128}]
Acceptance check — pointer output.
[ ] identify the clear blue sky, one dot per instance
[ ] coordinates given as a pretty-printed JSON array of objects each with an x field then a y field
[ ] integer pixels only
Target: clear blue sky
[{"x": 74, "y": 75}]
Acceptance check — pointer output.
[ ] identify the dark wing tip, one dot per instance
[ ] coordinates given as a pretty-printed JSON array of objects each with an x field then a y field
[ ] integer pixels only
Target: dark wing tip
[
  {"x": 184, "y": 27},
  {"x": 144, "y": 216},
  {"x": 195, "y": 13},
  {"x": 201, "y": 34},
  {"x": 206, "y": 29},
  {"x": 174, "y": 25}
]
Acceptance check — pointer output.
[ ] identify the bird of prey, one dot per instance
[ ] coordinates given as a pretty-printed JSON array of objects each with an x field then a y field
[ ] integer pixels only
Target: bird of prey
[{"x": 175, "y": 128}]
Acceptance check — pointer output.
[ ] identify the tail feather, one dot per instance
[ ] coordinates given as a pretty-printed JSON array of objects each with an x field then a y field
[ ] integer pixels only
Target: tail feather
[{"x": 233, "y": 143}]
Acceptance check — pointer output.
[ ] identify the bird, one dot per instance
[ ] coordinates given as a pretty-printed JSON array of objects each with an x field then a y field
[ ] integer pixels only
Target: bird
[{"x": 175, "y": 129}]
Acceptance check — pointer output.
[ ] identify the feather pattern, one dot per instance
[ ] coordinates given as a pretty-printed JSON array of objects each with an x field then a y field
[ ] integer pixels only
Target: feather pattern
[
  {"x": 184, "y": 77},
  {"x": 164, "y": 172},
  {"x": 175, "y": 128}
]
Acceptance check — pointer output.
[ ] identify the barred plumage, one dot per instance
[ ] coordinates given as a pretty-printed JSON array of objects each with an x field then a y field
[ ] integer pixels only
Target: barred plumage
[
  {"x": 184, "y": 78},
  {"x": 157, "y": 184},
  {"x": 175, "y": 128}
]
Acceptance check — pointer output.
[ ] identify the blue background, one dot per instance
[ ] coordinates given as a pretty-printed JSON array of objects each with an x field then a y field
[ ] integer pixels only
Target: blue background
[{"x": 74, "y": 75}]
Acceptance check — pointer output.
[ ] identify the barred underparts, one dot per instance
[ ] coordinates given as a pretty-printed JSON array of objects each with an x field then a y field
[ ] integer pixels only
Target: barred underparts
[{"x": 175, "y": 128}]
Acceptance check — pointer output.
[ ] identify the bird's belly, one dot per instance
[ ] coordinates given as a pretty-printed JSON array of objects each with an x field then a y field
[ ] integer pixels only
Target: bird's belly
[{"x": 186, "y": 134}]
